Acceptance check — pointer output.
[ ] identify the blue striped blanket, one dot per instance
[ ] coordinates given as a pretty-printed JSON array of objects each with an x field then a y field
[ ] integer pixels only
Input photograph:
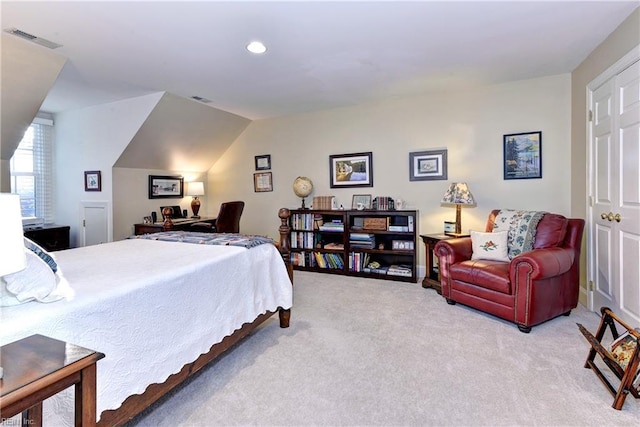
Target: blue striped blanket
[{"x": 223, "y": 239}]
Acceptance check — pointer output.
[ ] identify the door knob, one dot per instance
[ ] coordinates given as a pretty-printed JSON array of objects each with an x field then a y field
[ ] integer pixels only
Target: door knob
[
  {"x": 610, "y": 216},
  {"x": 603, "y": 215},
  {"x": 617, "y": 217}
]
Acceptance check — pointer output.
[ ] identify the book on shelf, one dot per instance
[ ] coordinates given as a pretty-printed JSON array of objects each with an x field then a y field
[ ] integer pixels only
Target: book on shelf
[
  {"x": 324, "y": 203},
  {"x": 399, "y": 270},
  {"x": 361, "y": 236},
  {"x": 335, "y": 225},
  {"x": 362, "y": 240},
  {"x": 334, "y": 246}
]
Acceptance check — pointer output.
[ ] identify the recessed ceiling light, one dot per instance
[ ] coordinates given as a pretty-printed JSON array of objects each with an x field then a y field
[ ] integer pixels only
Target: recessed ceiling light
[{"x": 256, "y": 47}]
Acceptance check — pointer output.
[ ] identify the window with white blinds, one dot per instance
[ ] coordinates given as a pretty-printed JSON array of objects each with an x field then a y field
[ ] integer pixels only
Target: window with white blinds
[{"x": 32, "y": 171}]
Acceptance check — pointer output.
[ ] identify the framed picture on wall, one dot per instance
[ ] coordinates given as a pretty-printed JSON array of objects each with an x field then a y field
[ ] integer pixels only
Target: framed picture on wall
[
  {"x": 166, "y": 187},
  {"x": 428, "y": 165},
  {"x": 351, "y": 170},
  {"x": 263, "y": 162},
  {"x": 92, "y": 181},
  {"x": 262, "y": 182},
  {"x": 522, "y": 155}
]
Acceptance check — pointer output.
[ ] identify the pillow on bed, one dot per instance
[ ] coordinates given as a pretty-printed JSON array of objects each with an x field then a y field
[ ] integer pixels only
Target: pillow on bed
[
  {"x": 41, "y": 252},
  {"x": 36, "y": 282},
  {"x": 490, "y": 246}
]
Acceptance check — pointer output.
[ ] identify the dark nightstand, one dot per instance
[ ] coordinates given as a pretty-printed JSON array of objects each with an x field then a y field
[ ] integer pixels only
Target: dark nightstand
[
  {"x": 37, "y": 367},
  {"x": 432, "y": 276},
  {"x": 51, "y": 237}
]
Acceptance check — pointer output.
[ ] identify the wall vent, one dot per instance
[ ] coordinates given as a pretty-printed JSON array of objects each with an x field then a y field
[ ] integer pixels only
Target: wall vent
[
  {"x": 201, "y": 99},
  {"x": 32, "y": 38}
]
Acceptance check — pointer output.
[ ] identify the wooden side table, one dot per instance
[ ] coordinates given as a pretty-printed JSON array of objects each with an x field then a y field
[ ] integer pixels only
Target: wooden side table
[
  {"x": 38, "y": 367},
  {"x": 432, "y": 276}
]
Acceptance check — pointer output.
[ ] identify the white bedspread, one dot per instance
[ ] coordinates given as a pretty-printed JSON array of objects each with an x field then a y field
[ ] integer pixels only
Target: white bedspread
[{"x": 150, "y": 307}]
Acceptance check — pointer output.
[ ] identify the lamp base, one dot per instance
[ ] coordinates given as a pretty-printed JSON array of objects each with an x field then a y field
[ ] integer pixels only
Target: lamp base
[
  {"x": 458, "y": 219},
  {"x": 195, "y": 207}
]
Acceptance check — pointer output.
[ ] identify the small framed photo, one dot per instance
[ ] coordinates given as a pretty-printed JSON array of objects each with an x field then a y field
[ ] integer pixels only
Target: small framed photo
[
  {"x": 262, "y": 182},
  {"x": 166, "y": 187},
  {"x": 92, "y": 181},
  {"x": 351, "y": 170},
  {"x": 402, "y": 245},
  {"x": 361, "y": 201},
  {"x": 522, "y": 155},
  {"x": 147, "y": 220},
  {"x": 263, "y": 162},
  {"x": 449, "y": 227},
  {"x": 428, "y": 165}
]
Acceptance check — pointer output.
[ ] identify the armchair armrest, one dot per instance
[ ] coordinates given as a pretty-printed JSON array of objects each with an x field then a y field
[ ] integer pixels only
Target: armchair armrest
[
  {"x": 544, "y": 263},
  {"x": 454, "y": 250}
]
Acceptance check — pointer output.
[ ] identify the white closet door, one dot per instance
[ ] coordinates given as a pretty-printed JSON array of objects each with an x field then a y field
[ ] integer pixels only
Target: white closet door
[{"x": 615, "y": 190}]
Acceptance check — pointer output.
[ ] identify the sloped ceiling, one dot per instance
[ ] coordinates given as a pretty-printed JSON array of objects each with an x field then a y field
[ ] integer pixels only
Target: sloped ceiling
[
  {"x": 181, "y": 134},
  {"x": 28, "y": 73}
]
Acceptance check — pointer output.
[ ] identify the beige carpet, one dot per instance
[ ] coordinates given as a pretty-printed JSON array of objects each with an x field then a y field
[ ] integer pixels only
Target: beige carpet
[{"x": 363, "y": 352}]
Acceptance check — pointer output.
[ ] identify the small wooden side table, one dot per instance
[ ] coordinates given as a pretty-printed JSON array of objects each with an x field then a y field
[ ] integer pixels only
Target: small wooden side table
[
  {"x": 432, "y": 276},
  {"x": 38, "y": 367}
]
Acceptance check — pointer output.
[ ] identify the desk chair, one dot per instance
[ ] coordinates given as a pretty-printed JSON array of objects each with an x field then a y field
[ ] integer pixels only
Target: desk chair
[{"x": 227, "y": 221}]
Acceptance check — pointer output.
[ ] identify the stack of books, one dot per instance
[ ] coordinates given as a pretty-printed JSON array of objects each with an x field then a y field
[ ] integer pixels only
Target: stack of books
[
  {"x": 399, "y": 270},
  {"x": 335, "y": 225},
  {"x": 362, "y": 240}
]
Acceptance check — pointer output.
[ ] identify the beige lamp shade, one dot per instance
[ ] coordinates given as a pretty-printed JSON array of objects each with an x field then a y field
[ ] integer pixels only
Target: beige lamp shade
[
  {"x": 12, "y": 258},
  {"x": 195, "y": 189},
  {"x": 458, "y": 194}
]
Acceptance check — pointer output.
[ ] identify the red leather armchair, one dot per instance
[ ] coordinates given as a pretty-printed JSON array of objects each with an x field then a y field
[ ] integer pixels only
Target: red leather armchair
[{"x": 533, "y": 287}]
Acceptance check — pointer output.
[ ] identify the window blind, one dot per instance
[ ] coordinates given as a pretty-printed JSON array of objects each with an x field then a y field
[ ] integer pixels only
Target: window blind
[{"x": 32, "y": 171}]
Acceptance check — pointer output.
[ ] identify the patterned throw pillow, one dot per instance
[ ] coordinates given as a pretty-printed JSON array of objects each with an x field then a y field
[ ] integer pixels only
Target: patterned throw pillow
[
  {"x": 490, "y": 246},
  {"x": 43, "y": 254}
]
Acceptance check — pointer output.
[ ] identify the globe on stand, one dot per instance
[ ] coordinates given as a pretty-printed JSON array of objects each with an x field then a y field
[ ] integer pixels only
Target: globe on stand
[{"x": 302, "y": 187}]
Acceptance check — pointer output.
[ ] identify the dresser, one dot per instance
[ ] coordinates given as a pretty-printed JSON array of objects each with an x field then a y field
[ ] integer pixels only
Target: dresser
[{"x": 51, "y": 237}]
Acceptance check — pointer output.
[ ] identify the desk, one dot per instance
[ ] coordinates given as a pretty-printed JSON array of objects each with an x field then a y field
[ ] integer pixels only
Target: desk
[
  {"x": 157, "y": 227},
  {"x": 38, "y": 367},
  {"x": 432, "y": 276}
]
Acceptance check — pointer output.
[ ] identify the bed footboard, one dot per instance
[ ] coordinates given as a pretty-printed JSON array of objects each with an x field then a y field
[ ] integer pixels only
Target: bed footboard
[{"x": 135, "y": 404}]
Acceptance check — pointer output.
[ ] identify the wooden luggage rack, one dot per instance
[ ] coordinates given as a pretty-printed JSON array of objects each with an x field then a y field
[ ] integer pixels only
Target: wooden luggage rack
[{"x": 627, "y": 375}]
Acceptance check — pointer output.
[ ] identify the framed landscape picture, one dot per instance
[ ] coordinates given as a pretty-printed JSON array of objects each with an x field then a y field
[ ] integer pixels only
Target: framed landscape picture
[
  {"x": 166, "y": 187},
  {"x": 428, "y": 165},
  {"x": 522, "y": 155},
  {"x": 351, "y": 170}
]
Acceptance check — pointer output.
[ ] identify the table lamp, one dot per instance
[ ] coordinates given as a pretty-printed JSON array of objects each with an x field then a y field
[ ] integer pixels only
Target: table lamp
[
  {"x": 458, "y": 194},
  {"x": 195, "y": 189},
  {"x": 12, "y": 258}
]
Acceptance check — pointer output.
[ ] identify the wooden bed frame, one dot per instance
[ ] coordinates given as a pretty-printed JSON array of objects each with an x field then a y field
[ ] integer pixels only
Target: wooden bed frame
[{"x": 135, "y": 404}]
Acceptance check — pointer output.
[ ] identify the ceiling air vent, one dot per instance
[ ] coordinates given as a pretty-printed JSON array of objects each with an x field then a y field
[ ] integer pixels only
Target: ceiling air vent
[
  {"x": 32, "y": 38},
  {"x": 201, "y": 99}
]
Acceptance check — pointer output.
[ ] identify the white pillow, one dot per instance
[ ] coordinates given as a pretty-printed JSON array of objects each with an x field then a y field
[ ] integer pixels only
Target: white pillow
[
  {"x": 490, "y": 246},
  {"x": 36, "y": 282}
]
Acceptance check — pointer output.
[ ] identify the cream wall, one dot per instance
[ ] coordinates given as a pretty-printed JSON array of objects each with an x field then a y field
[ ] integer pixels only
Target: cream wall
[
  {"x": 618, "y": 44},
  {"x": 131, "y": 198},
  {"x": 469, "y": 123},
  {"x": 92, "y": 139}
]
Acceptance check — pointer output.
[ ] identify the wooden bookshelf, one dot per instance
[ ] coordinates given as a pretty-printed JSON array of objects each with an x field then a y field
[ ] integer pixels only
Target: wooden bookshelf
[{"x": 347, "y": 242}]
